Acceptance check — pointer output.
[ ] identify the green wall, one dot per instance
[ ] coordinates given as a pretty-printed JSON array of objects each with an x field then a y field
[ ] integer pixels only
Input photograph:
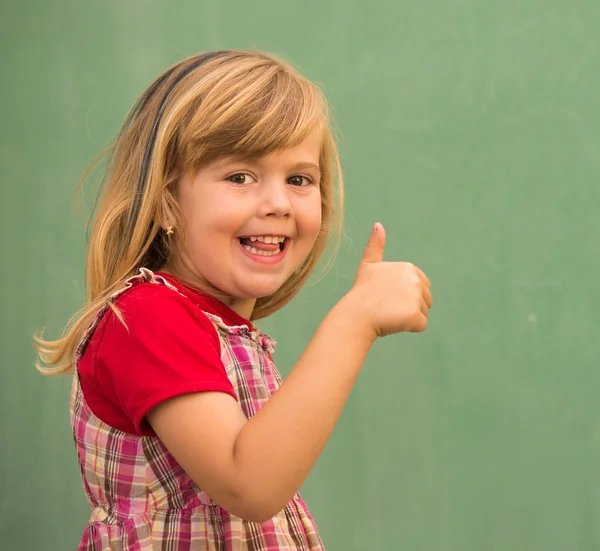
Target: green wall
[{"x": 471, "y": 129}]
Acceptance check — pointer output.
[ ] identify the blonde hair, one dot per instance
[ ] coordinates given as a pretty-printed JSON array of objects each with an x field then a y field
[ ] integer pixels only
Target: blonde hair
[{"x": 208, "y": 106}]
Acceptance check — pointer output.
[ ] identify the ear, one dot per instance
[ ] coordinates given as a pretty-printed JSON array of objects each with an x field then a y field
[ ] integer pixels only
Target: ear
[
  {"x": 168, "y": 208},
  {"x": 166, "y": 226},
  {"x": 166, "y": 216}
]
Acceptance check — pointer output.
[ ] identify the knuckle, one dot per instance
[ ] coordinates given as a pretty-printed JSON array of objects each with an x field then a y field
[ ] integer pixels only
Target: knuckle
[
  {"x": 415, "y": 318},
  {"x": 420, "y": 327}
]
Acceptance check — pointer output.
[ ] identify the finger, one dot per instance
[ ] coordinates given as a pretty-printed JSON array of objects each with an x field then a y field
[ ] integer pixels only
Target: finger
[
  {"x": 427, "y": 297},
  {"x": 424, "y": 308},
  {"x": 423, "y": 278},
  {"x": 375, "y": 246},
  {"x": 420, "y": 324}
]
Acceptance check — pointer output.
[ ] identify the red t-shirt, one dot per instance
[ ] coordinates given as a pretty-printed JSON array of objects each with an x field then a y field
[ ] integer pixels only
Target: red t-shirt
[{"x": 168, "y": 348}]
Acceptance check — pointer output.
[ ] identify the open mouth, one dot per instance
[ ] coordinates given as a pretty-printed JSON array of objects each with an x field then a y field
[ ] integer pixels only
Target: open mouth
[{"x": 268, "y": 245}]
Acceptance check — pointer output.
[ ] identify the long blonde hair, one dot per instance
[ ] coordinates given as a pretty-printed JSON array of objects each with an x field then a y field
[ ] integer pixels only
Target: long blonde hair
[{"x": 205, "y": 107}]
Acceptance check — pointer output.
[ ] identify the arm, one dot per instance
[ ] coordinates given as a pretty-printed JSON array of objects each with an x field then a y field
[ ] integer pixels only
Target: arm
[{"x": 253, "y": 468}]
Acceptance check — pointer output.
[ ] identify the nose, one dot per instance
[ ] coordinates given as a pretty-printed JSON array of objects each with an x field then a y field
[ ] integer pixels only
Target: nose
[{"x": 275, "y": 200}]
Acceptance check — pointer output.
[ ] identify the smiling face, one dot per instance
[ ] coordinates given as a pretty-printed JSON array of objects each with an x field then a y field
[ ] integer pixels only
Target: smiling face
[{"x": 249, "y": 225}]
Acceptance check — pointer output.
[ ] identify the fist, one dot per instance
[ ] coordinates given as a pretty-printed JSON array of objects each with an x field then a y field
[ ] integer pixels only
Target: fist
[{"x": 392, "y": 296}]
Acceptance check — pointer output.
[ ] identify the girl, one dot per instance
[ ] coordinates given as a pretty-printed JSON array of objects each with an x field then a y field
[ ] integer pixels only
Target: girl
[{"x": 221, "y": 194}]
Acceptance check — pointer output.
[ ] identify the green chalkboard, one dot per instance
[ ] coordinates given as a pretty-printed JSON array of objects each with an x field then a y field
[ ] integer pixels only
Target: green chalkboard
[{"x": 471, "y": 130}]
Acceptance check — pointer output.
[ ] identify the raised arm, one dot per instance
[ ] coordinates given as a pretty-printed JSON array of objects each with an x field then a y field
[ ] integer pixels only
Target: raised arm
[{"x": 253, "y": 468}]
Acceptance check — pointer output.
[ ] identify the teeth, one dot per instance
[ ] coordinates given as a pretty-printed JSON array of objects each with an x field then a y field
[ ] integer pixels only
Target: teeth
[
  {"x": 259, "y": 253},
  {"x": 268, "y": 239}
]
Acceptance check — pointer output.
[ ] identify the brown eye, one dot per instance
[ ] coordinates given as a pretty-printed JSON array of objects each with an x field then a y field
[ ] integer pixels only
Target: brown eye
[
  {"x": 240, "y": 178},
  {"x": 298, "y": 181}
]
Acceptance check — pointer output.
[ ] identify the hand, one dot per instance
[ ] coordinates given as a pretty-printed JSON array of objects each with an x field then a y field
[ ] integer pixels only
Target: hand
[{"x": 391, "y": 296}]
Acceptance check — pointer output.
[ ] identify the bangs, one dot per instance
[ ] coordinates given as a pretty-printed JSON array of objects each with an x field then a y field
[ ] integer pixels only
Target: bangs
[{"x": 251, "y": 115}]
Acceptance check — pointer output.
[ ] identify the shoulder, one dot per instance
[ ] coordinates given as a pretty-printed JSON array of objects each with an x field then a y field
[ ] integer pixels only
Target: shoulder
[
  {"x": 164, "y": 346},
  {"x": 148, "y": 296},
  {"x": 156, "y": 311},
  {"x": 157, "y": 300}
]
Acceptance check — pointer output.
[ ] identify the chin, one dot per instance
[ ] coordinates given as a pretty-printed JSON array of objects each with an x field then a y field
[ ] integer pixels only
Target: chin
[
  {"x": 263, "y": 292},
  {"x": 258, "y": 290}
]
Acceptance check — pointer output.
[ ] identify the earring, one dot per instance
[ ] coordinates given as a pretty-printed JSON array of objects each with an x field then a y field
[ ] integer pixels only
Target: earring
[{"x": 169, "y": 231}]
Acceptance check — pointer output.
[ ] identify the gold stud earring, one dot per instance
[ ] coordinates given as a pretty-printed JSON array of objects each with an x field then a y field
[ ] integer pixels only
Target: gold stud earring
[{"x": 169, "y": 231}]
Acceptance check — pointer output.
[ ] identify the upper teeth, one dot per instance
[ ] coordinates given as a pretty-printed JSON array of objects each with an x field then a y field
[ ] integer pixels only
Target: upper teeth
[{"x": 268, "y": 239}]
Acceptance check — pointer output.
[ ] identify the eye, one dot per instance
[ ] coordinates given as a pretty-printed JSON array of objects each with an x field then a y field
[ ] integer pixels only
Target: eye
[
  {"x": 240, "y": 178},
  {"x": 299, "y": 181}
]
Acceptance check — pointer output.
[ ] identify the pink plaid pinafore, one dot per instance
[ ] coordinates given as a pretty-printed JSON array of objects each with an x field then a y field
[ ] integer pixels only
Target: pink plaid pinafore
[{"x": 141, "y": 499}]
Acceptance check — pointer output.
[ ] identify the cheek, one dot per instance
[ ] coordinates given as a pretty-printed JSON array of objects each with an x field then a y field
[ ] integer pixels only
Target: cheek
[
  {"x": 207, "y": 216},
  {"x": 317, "y": 216},
  {"x": 311, "y": 220},
  {"x": 199, "y": 233},
  {"x": 316, "y": 225}
]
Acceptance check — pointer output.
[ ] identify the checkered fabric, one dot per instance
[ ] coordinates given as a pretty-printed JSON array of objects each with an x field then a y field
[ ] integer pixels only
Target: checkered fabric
[{"x": 141, "y": 499}]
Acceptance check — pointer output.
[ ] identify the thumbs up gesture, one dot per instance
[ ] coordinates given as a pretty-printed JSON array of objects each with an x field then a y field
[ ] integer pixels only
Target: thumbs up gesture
[{"x": 392, "y": 296}]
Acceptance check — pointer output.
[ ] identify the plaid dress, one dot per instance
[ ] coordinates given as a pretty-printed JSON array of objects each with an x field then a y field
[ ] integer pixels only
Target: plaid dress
[{"x": 142, "y": 499}]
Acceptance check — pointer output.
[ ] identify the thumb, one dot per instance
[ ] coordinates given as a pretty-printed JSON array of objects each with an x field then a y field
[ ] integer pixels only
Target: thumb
[{"x": 375, "y": 246}]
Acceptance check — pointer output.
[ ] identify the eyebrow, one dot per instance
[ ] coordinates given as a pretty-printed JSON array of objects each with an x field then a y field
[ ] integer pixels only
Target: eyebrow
[{"x": 302, "y": 165}]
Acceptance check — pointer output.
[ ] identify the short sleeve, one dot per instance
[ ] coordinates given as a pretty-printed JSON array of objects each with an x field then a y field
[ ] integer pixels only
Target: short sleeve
[{"x": 168, "y": 348}]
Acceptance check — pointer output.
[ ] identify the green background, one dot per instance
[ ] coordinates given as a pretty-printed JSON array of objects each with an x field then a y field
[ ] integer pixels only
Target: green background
[{"x": 471, "y": 130}]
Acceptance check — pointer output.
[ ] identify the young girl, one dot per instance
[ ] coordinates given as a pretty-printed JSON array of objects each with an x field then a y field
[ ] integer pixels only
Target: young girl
[{"x": 221, "y": 194}]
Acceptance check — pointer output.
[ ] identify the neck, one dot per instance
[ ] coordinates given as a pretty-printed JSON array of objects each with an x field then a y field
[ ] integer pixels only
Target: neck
[{"x": 242, "y": 307}]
